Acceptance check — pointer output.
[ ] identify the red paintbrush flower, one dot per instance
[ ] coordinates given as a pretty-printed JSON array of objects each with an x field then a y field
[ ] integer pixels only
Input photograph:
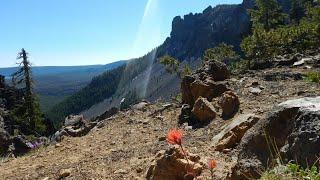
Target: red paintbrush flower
[
  {"x": 212, "y": 164},
  {"x": 175, "y": 136}
]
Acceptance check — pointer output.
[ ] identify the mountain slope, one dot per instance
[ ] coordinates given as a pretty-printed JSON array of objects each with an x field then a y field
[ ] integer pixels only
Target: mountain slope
[
  {"x": 54, "y": 83},
  {"x": 190, "y": 37}
]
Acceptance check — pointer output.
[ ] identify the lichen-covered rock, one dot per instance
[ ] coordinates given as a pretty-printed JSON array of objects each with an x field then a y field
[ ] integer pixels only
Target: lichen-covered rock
[
  {"x": 229, "y": 103},
  {"x": 172, "y": 165},
  {"x": 293, "y": 128},
  {"x": 203, "y": 110}
]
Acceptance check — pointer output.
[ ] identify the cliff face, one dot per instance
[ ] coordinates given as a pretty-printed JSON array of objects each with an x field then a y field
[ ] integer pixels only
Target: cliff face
[{"x": 194, "y": 33}]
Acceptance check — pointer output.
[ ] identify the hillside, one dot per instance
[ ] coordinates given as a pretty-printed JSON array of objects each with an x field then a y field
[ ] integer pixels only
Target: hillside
[
  {"x": 152, "y": 79},
  {"x": 55, "y": 83},
  {"x": 123, "y": 146},
  {"x": 191, "y": 35}
]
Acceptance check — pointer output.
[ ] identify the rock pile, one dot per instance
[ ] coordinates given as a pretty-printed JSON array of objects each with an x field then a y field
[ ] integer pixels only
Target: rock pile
[
  {"x": 200, "y": 89},
  {"x": 74, "y": 126}
]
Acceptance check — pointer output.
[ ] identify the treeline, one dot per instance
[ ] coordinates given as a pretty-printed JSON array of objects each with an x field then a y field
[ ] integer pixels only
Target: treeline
[
  {"x": 276, "y": 33},
  {"x": 100, "y": 88}
]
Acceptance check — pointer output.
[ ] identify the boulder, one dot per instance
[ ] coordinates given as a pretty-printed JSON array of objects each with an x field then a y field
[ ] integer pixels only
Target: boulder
[
  {"x": 203, "y": 110},
  {"x": 58, "y": 136},
  {"x": 73, "y": 120},
  {"x": 83, "y": 130},
  {"x": 229, "y": 103},
  {"x": 172, "y": 165},
  {"x": 291, "y": 130},
  {"x": 217, "y": 70},
  {"x": 141, "y": 106},
  {"x": 232, "y": 133},
  {"x": 192, "y": 90},
  {"x": 255, "y": 90}
]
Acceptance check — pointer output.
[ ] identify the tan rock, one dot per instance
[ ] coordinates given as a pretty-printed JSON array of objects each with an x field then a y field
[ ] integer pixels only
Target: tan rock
[
  {"x": 203, "y": 110},
  {"x": 229, "y": 103},
  {"x": 64, "y": 173},
  {"x": 171, "y": 165},
  {"x": 232, "y": 133}
]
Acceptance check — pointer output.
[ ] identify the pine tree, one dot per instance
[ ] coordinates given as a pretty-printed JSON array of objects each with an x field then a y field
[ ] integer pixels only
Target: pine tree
[
  {"x": 268, "y": 14},
  {"x": 29, "y": 112},
  {"x": 296, "y": 11},
  {"x": 223, "y": 53}
]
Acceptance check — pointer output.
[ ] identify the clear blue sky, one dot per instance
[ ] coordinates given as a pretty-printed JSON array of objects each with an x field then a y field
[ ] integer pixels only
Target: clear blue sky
[{"x": 82, "y": 32}]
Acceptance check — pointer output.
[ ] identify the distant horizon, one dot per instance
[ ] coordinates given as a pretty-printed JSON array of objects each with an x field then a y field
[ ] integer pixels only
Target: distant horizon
[
  {"x": 69, "y": 65},
  {"x": 81, "y": 33}
]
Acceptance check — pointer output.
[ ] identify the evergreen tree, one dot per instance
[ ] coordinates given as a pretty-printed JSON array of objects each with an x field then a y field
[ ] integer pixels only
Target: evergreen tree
[
  {"x": 171, "y": 64},
  {"x": 28, "y": 113},
  {"x": 223, "y": 53},
  {"x": 296, "y": 11},
  {"x": 268, "y": 14}
]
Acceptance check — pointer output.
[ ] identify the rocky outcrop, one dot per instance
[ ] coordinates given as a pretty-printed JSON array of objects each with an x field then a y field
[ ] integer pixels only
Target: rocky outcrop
[
  {"x": 203, "y": 110},
  {"x": 232, "y": 133},
  {"x": 229, "y": 103},
  {"x": 206, "y": 82},
  {"x": 112, "y": 111},
  {"x": 171, "y": 165},
  {"x": 291, "y": 130},
  {"x": 192, "y": 34}
]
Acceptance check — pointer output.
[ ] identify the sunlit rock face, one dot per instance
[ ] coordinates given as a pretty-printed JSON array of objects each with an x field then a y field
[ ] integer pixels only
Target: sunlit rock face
[{"x": 192, "y": 34}]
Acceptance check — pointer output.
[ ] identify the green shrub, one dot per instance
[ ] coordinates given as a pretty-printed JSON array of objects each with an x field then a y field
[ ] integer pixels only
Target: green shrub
[
  {"x": 313, "y": 76},
  {"x": 291, "y": 171}
]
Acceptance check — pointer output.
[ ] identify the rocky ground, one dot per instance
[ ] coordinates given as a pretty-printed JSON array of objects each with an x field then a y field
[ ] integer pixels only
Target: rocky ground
[{"x": 122, "y": 147}]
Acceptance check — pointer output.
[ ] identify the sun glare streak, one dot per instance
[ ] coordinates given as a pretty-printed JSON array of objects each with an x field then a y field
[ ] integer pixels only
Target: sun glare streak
[{"x": 148, "y": 34}]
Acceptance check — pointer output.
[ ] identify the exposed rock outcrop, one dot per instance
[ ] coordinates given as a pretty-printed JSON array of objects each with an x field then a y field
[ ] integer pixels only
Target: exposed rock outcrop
[
  {"x": 172, "y": 165},
  {"x": 292, "y": 128},
  {"x": 204, "y": 82}
]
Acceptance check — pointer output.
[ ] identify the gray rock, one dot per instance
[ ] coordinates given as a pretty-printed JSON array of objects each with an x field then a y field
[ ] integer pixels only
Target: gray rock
[
  {"x": 141, "y": 106},
  {"x": 255, "y": 90},
  {"x": 303, "y": 61},
  {"x": 73, "y": 120},
  {"x": 293, "y": 127}
]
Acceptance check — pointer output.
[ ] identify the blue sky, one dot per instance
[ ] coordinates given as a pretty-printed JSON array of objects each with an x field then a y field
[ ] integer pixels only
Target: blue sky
[{"x": 83, "y": 32}]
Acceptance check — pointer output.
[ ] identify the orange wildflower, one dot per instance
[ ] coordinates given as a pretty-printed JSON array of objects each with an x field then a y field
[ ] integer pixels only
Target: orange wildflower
[
  {"x": 175, "y": 136},
  {"x": 212, "y": 164}
]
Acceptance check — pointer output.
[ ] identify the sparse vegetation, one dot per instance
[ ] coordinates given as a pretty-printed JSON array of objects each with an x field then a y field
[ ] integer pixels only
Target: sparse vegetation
[
  {"x": 291, "y": 171},
  {"x": 313, "y": 76},
  {"x": 271, "y": 37},
  {"x": 172, "y": 65}
]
